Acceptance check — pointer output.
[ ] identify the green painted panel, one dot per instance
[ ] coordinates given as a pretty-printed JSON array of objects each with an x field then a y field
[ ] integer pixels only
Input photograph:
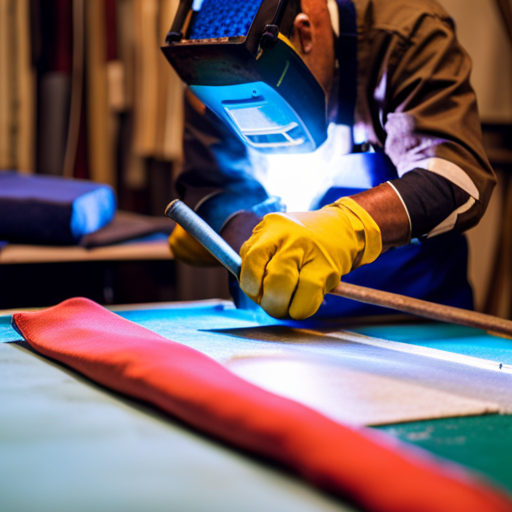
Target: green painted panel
[{"x": 483, "y": 443}]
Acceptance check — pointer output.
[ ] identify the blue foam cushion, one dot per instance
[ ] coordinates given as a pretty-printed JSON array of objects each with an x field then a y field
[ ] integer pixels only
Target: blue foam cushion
[{"x": 52, "y": 210}]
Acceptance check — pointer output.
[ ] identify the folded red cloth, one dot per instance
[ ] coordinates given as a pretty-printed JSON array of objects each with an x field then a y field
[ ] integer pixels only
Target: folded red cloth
[{"x": 363, "y": 466}]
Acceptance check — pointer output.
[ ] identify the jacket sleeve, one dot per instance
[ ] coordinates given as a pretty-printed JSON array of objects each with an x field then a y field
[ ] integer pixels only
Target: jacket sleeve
[
  {"x": 433, "y": 132},
  {"x": 220, "y": 175}
]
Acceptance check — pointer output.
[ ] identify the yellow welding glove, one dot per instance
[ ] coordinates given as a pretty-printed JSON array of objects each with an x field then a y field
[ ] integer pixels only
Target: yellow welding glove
[
  {"x": 187, "y": 249},
  {"x": 293, "y": 259}
]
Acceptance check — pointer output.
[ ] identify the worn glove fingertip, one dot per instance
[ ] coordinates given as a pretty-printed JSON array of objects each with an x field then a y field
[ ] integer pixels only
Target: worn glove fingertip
[
  {"x": 249, "y": 282},
  {"x": 308, "y": 297},
  {"x": 276, "y": 309},
  {"x": 301, "y": 310}
]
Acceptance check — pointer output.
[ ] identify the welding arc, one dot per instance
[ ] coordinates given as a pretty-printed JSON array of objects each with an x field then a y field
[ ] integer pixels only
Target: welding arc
[{"x": 219, "y": 248}]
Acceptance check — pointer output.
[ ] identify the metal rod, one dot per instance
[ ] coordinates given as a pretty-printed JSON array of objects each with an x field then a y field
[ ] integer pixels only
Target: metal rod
[
  {"x": 218, "y": 247},
  {"x": 205, "y": 235},
  {"x": 424, "y": 308}
]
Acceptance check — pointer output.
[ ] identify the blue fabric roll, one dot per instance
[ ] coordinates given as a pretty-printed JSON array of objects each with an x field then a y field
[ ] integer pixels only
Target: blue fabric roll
[{"x": 52, "y": 210}]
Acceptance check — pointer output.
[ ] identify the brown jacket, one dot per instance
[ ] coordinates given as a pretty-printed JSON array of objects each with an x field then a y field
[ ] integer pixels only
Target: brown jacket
[{"x": 414, "y": 99}]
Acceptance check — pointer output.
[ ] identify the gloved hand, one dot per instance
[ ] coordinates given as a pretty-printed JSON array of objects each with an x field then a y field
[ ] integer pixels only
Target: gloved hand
[
  {"x": 187, "y": 249},
  {"x": 293, "y": 259}
]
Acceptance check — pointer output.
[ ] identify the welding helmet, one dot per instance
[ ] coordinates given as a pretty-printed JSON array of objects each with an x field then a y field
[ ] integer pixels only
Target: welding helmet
[{"x": 236, "y": 58}]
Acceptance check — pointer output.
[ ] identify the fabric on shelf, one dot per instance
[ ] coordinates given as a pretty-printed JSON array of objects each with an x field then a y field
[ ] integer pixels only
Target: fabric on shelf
[
  {"x": 102, "y": 123},
  {"x": 52, "y": 210},
  {"x": 54, "y": 54},
  {"x": 17, "y": 87},
  {"x": 54, "y": 94},
  {"x": 127, "y": 226},
  {"x": 158, "y": 98},
  {"x": 364, "y": 467}
]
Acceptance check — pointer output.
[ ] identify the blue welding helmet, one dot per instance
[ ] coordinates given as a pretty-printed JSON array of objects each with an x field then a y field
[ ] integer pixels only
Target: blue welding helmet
[{"x": 236, "y": 58}]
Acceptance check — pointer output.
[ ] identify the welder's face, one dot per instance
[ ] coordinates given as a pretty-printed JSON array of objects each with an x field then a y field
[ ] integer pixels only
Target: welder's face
[{"x": 314, "y": 40}]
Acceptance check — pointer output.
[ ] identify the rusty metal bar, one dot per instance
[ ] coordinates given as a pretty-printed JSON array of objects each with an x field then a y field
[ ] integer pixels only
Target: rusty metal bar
[{"x": 424, "y": 308}]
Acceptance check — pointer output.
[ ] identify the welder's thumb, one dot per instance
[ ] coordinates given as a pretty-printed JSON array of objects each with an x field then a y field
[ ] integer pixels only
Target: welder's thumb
[
  {"x": 293, "y": 259},
  {"x": 187, "y": 249}
]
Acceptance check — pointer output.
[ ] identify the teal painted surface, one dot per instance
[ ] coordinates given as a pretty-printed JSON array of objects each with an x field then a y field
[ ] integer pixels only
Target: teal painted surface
[
  {"x": 195, "y": 326},
  {"x": 7, "y": 333},
  {"x": 179, "y": 322},
  {"x": 448, "y": 337},
  {"x": 483, "y": 443},
  {"x": 67, "y": 444},
  {"x": 193, "y": 318}
]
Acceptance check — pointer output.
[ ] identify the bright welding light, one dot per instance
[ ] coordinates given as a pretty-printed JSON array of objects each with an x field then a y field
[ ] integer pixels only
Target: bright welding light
[{"x": 299, "y": 179}]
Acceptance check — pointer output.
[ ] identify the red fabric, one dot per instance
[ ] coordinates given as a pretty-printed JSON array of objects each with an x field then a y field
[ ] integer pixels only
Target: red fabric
[
  {"x": 111, "y": 29},
  {"x": 364, "y": 466},
  {"x": 56, "y": 32}
]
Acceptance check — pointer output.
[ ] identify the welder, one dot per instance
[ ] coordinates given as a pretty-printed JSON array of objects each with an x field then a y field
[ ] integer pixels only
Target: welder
[{"x": 333, "y": 139}]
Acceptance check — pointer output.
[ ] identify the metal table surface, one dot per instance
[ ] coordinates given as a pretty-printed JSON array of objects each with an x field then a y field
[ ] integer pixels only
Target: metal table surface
[{"x": 67, "y": 443}]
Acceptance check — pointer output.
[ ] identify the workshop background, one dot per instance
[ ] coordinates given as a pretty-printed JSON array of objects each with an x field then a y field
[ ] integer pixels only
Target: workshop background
[{"x": 85, "y": 92}]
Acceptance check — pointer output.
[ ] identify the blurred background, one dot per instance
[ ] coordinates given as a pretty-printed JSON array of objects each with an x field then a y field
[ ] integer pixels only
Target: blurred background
[{"x": 86, "y": 93}]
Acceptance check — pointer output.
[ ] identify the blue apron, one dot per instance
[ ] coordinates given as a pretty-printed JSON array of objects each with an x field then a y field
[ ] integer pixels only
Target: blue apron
[{"x": 434, "y": 269}]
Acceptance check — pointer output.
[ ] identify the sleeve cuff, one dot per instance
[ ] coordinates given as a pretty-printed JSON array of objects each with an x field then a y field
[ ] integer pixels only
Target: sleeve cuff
[{"x": 218, "y": 207}]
